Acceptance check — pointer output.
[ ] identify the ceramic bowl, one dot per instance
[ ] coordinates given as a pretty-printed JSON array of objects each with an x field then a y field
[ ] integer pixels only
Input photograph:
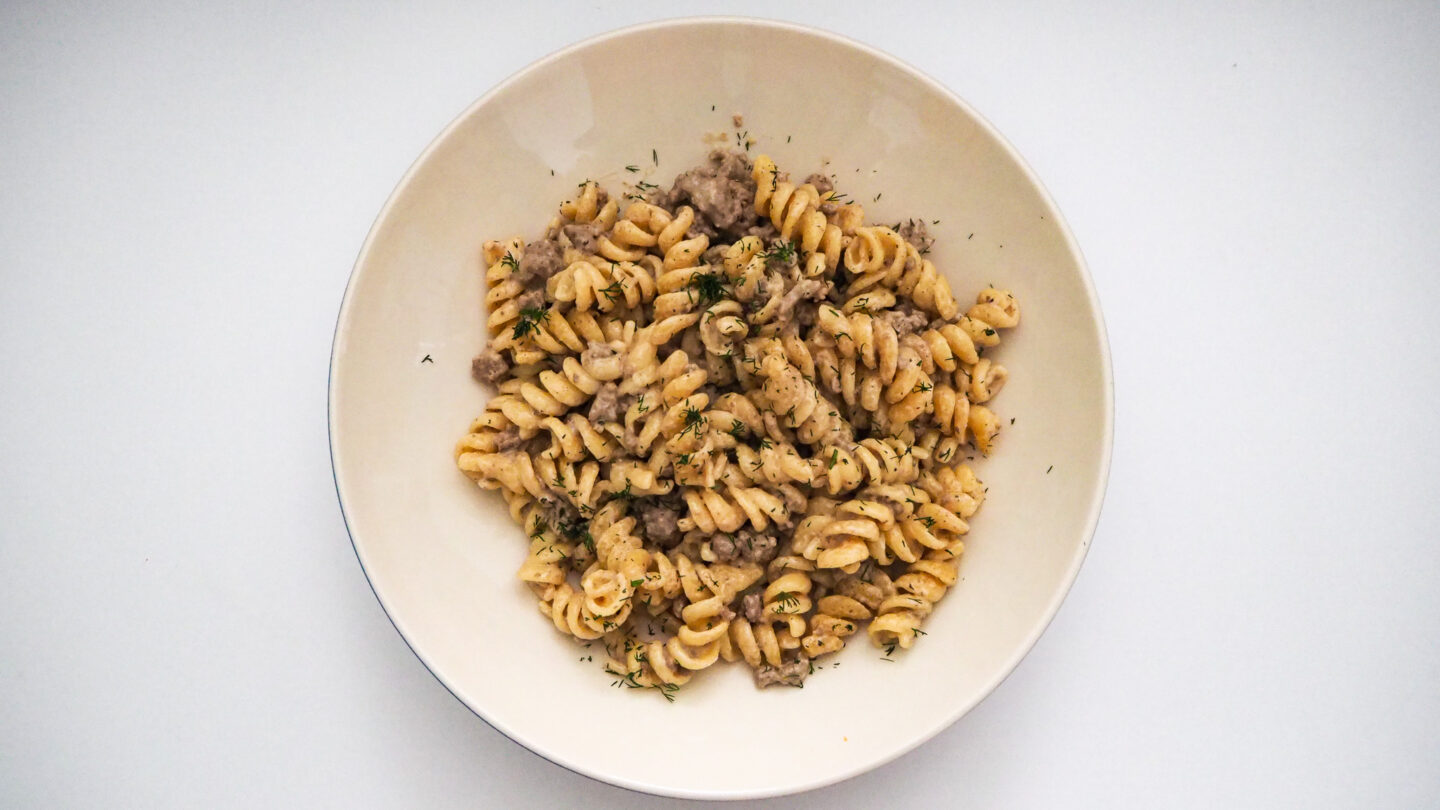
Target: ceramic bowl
[{"x": 441, "y": 555}]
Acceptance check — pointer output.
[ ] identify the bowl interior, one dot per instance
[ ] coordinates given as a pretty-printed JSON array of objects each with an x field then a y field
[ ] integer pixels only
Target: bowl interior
[{"x": 442, "y": 555}]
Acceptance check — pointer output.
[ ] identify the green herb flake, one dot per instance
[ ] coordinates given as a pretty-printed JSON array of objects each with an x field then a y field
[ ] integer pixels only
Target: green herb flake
[
  {"x": 710, "y": 287},
  {"x": 530, "y": 319},
  {"x": 782, "y": 251}
]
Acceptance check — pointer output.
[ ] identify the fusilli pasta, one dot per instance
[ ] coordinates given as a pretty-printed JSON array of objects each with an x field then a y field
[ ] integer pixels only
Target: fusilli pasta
[{"x": 732, "y": 419}]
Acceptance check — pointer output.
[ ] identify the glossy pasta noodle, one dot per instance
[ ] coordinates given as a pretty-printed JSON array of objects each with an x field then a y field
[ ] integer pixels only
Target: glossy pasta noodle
[{"x": 732, "y": 419}]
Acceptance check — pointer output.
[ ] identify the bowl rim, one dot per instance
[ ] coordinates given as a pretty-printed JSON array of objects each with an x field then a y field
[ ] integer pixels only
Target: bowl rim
[{"x": 1097, "y": 496}]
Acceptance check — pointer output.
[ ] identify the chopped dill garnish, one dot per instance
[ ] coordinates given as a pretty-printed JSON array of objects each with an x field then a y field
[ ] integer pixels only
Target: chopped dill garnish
[
  {"x": 694, "y": 421},
  {"x": 710, "y": 287},
  {"x": 782, "y": 251},
  {"x": 530, "y": 320}
]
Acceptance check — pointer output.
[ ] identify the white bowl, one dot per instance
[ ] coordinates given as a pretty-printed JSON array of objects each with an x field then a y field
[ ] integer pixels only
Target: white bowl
[{"x": 441, "y": 555}]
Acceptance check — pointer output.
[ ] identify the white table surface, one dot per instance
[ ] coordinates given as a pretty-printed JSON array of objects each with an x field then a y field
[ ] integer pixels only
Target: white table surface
[{"x": 183, "y": 189}]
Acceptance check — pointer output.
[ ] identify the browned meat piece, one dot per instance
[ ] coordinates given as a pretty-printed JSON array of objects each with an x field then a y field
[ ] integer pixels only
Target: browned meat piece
[
  {"x": 753, "y": 606},
  {"x": 508, "y": 439},
  {"x": 721, "y": 191},
  {"x": 915, "y": 232},
  {"x": 489, "y": 366},
  {"x": 745, "y": 546},
  {"x": 791, "y": 674},
  {"x": 606, "y": 405},
  {"x": 821, "y": 183},
  {"x": 596, "y": 351},
  {"x": 541, "y": 260},
  {"x": 661, "y": 518},
  {"x": 582, "y": 236},
  {"x": 906, "y": 319}
]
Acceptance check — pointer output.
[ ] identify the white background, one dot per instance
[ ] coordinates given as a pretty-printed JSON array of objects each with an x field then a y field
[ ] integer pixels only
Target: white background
[{"x": 183, "y": 189}]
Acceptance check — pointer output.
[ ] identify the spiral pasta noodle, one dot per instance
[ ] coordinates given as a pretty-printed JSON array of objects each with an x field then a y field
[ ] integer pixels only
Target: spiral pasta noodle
[
  {"x": 881, "y": 461},
  {"x": 503, "y": 290}
]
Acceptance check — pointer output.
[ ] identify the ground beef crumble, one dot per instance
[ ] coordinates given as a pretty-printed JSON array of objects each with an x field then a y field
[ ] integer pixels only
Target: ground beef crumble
[
  {"x": 745, "y": 546},
  {"x": 583, "y": 236},
  {"x": 722, "y": 192},
  {"x": 753, "y": 606},
  {"x": 606, "y": 405},
  {"x": 915, "y": 232},
  {"x": 489, "y": 366},
  {"x": 660, "y": 518},
  {"x": 788, "y": 674},
  {"x": 906, "y": 318},
  {"x": 542, "y": 259}
]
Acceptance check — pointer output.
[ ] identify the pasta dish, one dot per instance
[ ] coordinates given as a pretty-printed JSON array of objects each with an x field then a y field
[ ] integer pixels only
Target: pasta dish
[{"x": 733, "y": 420}]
